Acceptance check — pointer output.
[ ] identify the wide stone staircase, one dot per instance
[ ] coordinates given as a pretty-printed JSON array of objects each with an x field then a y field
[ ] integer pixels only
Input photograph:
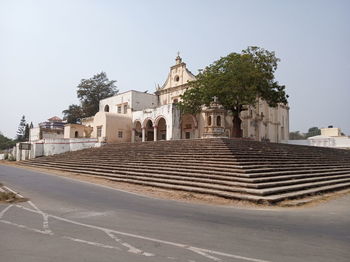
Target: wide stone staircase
[{"x": 231, "y": 168}]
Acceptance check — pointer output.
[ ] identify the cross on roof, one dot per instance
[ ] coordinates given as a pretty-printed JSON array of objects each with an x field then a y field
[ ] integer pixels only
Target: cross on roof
[{"x": 215, "y": 98}]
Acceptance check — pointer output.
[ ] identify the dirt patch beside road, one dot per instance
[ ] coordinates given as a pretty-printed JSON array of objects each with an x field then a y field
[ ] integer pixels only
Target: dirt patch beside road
[{"x": 7, "y": 196}]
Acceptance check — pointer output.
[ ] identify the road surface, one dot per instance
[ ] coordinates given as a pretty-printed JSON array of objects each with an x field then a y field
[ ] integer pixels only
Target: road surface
[{"x": 70, "y": 220}]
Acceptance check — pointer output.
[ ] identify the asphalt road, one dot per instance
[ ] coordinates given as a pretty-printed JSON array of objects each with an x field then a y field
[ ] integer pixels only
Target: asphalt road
[{"x": 69, "y": 220}]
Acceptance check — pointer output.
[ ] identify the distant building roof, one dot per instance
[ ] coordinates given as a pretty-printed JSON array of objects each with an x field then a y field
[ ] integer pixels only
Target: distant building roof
[{"x": 55, "y": 119}]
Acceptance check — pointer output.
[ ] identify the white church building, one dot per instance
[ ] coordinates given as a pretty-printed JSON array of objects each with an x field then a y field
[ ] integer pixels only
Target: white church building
[{"x": 135, "y": 116}]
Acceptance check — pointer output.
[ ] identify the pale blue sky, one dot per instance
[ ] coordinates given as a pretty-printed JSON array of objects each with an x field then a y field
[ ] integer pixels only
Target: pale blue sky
[{"x": 47, "y": 47}]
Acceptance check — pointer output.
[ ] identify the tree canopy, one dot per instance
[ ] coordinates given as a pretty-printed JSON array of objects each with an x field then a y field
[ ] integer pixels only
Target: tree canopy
[
  {"x": 313, "y": 131},
  {"x": 73, "y": 114},
  {"x": 90, "y": 92},
  {"x": 296, "y": 135},
  {"x": 5, "y": 142},
  {"x": 238, "y": 80}
]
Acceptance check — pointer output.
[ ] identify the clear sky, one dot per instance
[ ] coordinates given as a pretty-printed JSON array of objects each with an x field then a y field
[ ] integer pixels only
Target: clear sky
[{"x": 47, "y": 47}]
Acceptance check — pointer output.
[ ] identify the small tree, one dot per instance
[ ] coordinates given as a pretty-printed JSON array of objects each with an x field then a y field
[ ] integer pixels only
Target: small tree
[
  {"x": 26, "y": 133},
  {"x": 238, "y": 80},
  {"x": 73, "y": 114},
  {"x": 5, "y": 142},
  {"x": 21, "y": 129},
  {"x": 296, "y": 135},
  {"x": 313, "y": 131}
]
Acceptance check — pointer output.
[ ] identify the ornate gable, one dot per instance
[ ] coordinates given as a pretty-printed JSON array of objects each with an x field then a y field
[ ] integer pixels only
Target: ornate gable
[{"x": 178, "y": 76}]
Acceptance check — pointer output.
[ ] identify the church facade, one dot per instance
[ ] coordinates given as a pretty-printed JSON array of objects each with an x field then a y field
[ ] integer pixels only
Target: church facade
[{"x": 135, "y": 116}]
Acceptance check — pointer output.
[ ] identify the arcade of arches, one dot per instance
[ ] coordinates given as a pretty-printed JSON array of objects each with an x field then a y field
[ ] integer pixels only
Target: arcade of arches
[{"x": 149, "y": 131}]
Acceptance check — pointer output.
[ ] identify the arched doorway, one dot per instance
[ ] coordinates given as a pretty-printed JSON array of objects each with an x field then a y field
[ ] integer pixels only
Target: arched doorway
[
  {"x": 76, "y": 134},
  {"x": 106, "y": 109},
  {"x": 161, "y": 129},
  {"x": 149, "y": 130},
  {"x": 138, "y": 131},
  {"x": 188, "y": 127}
]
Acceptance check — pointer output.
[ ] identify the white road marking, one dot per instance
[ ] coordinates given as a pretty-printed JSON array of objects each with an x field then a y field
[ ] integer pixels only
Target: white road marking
[
  {"x": 232, "y": 256},
  {"x": 131, "y": 248},
  {"x": 25, "y": 227},
  {"x": 91, "y": 243},
  {"x": 45, "y": 216},
  {"x": 191, "y": 248},
  {"x": 2, "y": 213},
  {"x": 200, "y": 252}
]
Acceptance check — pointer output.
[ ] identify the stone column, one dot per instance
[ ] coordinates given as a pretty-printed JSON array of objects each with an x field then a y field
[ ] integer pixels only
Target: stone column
[
  {"x": 155, "y": 128},
  {"x": 143, "y": 134},
  {"x": 133, "y": 135}
]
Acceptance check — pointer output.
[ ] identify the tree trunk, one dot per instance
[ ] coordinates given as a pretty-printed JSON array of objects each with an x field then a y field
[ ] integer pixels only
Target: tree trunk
[
  {"x": 237, "y": 122},
  {"x": 236, "y": 129}
]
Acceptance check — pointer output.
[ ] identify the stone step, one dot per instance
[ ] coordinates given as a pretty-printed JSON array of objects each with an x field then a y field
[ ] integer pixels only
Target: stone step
[
  {"x": 219, "y": 176},
  {"x": 214, "y": 155},
  {"x": 306, "y": 192},
  {"x": 207, "y": 160},
  {"x": 214, "y": 184},
  {"x": 207, "y": 170}
]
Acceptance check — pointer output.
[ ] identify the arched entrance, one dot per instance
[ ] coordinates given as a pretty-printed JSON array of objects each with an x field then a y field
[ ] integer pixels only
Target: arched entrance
[
  {"x": 137, "y": 131},
  {"x": 161, "y": 129},
  {"x": 188, "y": 127},
  {"x": 149, "y": 130}
]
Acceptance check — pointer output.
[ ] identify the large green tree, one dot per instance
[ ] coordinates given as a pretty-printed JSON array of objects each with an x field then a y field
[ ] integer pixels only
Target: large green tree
[
  {"x": 237, "y": 80},
  {"x": 90, "y": 92}
]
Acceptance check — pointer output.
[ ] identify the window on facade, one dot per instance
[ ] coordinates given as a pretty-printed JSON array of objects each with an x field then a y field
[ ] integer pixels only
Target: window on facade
[
  {"x": 125, "y": 109},
  {"x": 175, "y": 101},
  {"x": 119, "y": 110},
  {"x": 187, "y": 135},
  {"x": 106, "y": 108},
  {"x": 99, "y": 131},
  {"x": 176, "y": 78},
  {"x": 209, "y": 120},
  {"x": 218, "y": 120},
  {"x": 188, "y": 126},
  {"x": 76, "y": 134},
  {"x": 120, "y": 134}
]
